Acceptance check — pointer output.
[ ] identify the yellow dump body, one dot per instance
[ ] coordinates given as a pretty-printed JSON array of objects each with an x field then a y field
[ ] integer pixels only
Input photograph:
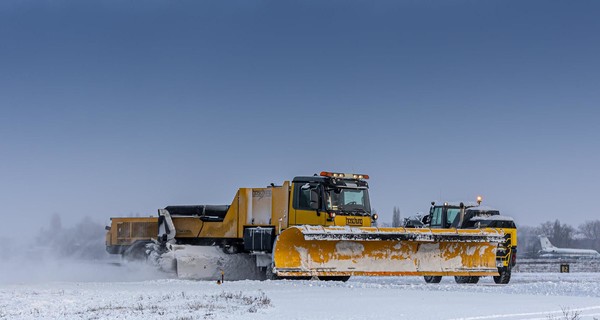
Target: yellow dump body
[
  {"x": 124, "y": 232},
  {"x": 351, "y": 251}
]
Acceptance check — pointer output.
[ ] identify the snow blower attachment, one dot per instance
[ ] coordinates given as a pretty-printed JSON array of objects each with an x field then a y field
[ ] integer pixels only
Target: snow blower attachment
[{"x": 315, "y": 226}]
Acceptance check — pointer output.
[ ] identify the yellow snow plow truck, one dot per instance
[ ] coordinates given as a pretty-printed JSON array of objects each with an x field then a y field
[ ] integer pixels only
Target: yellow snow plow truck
[{"x": 316, "y": 226}]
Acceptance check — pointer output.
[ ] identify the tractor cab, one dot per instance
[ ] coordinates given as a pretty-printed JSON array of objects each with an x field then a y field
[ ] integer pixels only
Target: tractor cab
[
  {"x": 447, "y": 215},
  {"x": 457, "y": 215}
]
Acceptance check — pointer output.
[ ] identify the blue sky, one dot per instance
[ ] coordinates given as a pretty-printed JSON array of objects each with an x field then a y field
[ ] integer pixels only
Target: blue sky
[{"x": 121, "y": 107}]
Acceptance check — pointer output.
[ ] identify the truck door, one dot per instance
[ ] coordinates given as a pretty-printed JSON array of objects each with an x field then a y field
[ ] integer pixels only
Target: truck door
[{"x": 307, "y": 204}]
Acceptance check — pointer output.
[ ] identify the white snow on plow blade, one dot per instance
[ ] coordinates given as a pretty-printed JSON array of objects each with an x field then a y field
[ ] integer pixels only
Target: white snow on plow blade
[
  {"x": 427, "y": 258},
  {"x": 377, "y": 234}
]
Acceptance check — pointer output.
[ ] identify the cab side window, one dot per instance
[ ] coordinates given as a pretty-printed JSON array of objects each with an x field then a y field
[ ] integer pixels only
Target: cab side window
[
  {"x": 304, "y": 199},
  {"x": 452, "y": 217},
  {"x": 436, "y": 218},
  {"x": 303, "y": 195}
]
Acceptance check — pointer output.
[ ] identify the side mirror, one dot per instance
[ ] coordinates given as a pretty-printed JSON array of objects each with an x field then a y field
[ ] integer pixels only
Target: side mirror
[
  {"x": 426, "y": 220},
  {"x": 314, "y": 199}
]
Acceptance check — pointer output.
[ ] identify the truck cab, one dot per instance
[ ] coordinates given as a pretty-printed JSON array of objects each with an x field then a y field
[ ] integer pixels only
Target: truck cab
[{"x": 331, "y": 199}]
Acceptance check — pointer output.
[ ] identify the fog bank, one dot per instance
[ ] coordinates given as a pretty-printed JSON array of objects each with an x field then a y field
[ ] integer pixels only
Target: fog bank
[{"x": 75, "y": 253}]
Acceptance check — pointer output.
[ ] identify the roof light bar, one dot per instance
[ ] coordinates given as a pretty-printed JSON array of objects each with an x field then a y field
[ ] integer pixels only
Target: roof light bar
[{"x": 344, "y": 175}]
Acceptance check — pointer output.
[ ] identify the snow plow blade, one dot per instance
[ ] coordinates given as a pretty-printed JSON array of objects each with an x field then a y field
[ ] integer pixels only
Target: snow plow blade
[{"x": 302, "y": 251}]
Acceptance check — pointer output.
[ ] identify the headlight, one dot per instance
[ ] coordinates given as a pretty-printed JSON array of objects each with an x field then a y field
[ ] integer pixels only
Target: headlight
[{"x": 375, "y": 216}]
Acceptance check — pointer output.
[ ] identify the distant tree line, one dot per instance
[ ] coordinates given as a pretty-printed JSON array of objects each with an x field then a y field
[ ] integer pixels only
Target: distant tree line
[{"x": 562, "y": 235}]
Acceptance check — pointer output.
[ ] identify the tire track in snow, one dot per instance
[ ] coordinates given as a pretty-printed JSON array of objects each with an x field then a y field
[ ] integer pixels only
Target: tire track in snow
[{"x": 531, "y": 315}]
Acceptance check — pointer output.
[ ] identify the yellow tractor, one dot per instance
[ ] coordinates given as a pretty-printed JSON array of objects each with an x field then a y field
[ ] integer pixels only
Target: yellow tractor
[
  {"x": 474, "y": 216},
  {"x": 316, "y": 226}
]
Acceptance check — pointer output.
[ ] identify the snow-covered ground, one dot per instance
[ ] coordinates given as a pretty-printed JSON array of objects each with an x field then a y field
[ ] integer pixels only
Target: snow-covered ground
[{"x": 105, "y": 291}]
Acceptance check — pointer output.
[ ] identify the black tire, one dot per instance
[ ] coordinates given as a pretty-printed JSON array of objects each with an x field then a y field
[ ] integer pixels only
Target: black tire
[
  {"x": 433, "y": 279},
  {"x": 297, "y": 278},
  {"x": 339, "y": 278},
  {"x": 504, "y": 277},
  {"x": 466, "y": 279}
]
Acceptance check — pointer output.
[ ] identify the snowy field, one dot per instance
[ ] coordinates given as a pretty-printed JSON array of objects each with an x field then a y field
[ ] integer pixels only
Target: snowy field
[{"x": 61, "y": 290}]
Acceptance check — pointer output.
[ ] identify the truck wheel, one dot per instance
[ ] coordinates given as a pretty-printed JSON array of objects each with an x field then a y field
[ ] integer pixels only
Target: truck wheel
[
  {"x": 333, "y": 278},
  {"x": 504, "y": 276},
  {"x": 474, "y": 279},
  {"x": 433, "y": 279},
  {"x": 466, "y": 279}
]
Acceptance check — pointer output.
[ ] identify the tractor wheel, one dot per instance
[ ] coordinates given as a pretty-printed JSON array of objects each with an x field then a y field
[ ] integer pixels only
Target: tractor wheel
[
  {"x": 504, "y": 276},
  {"x": 433, "y": 279}
]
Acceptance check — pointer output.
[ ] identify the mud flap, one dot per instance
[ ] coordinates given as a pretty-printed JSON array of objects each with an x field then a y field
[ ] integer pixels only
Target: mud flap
[{"x": 349, "y": 251}]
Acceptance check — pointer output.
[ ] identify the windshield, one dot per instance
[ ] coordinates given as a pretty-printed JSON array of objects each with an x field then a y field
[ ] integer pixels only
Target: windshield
[
  {"x": 452, "y": 216},
  {"x": 349, "y": 200}
]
